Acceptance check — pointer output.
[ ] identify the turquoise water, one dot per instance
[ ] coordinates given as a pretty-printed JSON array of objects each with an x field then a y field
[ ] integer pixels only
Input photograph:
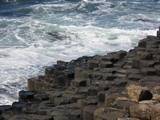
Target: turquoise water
[{"x": 36, "y": 33}]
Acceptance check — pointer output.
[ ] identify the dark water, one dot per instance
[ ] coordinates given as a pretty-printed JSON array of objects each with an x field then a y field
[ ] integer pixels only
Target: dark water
[{"x": 36, "y": 33}]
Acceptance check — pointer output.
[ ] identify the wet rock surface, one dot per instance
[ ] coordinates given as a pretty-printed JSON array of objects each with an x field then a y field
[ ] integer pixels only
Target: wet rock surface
[{"x": 117, "y": 86}]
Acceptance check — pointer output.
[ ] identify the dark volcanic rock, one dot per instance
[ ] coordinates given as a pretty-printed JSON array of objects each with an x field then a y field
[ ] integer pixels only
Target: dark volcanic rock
[
  {"x": 158, "y": 33},
  {"x": 26, "y": 95},
  {"x": 88, "y": 112},
  {"x": 5, "y": 108},
  {"x": 19, "y": 106},
  {"x": 117, "y": 86}
]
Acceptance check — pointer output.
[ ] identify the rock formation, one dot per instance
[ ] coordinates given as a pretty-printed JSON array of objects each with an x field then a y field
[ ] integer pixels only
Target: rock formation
[{"x": 117, "y": 86}]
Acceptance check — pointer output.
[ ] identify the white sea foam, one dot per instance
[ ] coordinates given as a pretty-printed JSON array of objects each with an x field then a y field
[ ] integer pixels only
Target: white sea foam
[{"x": 21, "y": 63}]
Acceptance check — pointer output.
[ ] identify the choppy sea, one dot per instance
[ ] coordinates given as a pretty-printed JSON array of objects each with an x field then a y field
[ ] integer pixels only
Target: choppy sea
[{"x": 37, "y": 33}]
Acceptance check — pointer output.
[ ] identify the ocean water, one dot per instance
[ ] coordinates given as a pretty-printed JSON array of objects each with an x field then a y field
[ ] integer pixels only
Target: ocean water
[{"x": 37, "y": 33}]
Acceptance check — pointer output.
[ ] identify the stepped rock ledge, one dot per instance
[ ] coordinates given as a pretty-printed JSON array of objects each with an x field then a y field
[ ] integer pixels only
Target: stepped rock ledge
[{"x": 117, "y": 86}]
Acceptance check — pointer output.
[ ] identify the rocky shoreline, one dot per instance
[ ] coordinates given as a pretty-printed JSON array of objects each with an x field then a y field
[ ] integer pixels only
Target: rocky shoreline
[{"x": 117, "y": 86}]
